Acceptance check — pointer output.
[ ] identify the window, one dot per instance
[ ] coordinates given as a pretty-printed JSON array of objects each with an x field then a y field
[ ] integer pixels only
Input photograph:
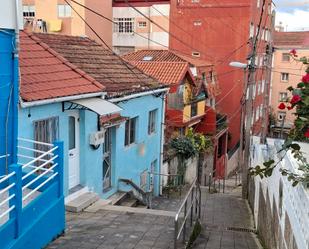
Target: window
[
  {"x": 130, "y": 131},
  {"x": 263, "y": 86},
  {"x": 195, "y": 1},
  {"x": 196, "y": 54},
  {"x": 257, "y": 113},
  {"x": 72, "y": 133},
  {"x": 251, "y": 30},
  {"x": 284, "y": 77},
  {"x": 152, "y": 121},
  {"x": 64, "y": 10},
  {"x": 258, "y": 3},
  {"x": 124, "y": 25},
  {"x": 283, "y": 96},
  {"x": 254, "y": 91},
  {"x": 142, "y": 24},
  {"x": 261, "y": 110},
  {"x": 286, "y": 57},
  {"x": 193, "y": 109},
  {"x": 281, "y": 116},
  {"x": 197, "y": 23},
  {"x": 47, "y": 131},
  {"x": 29, "y": 11},
  {"x": 259, "y": 88}
]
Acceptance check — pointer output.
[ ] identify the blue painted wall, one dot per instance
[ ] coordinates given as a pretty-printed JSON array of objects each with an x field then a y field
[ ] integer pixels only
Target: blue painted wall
[
  {"x": 127, "y": 162},
  {"x": 8, "y": 97}
]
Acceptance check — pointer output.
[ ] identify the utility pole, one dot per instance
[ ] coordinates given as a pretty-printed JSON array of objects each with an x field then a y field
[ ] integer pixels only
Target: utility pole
[{"x": 249, "y": 109}]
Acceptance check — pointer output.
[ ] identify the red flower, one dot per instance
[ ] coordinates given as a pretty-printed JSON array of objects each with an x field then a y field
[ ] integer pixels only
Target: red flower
[
  {"x": 281, "y": 106},
  {"x": 307, "y": 133},
  {"x": 305, "y": 79},
  {"x": 290, "y": 108},
  {"x": 293, "y": 52},
  {"x": 295, "y": 99}
]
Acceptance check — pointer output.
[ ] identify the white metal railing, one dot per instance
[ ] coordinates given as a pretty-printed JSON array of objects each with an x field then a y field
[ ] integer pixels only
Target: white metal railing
[
  {"x": 194, "y": 199},
  {"x": 4, "y": 156},
  {"x": 10, "y": 197},
  {"x": 40, "y": 157},
  {"x": 35, "y": 142}
]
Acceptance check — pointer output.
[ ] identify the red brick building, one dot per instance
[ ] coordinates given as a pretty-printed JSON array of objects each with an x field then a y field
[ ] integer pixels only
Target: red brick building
[{"x": 222, "y": 31}]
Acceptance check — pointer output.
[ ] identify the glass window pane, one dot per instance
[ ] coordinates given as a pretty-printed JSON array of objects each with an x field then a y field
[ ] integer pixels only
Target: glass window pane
[{"x": 71, "y": 133}]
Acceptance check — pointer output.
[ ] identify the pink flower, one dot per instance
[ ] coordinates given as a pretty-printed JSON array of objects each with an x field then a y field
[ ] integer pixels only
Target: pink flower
[
  {"x": 307, "y": 133},
  {"x": 295, "y": 99},
  {"x": 305, "y": 79},
  {"x": 293, "y": 52},
  {"x": 281, "y": 106}
]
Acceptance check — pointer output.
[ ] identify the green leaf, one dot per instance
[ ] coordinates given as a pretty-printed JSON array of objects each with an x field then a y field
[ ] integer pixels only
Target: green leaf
[
  {"x": 290, "y": 88},
  {"x": 306, "y": 100},
  {"x": 294, "y": 183},
  {"x": 295, "y": 146},
  {"x": 301, "y": 85}
]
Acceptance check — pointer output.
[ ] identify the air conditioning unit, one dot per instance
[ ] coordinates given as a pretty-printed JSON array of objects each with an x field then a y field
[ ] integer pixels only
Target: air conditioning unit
[{"x": 97, "y": 138}]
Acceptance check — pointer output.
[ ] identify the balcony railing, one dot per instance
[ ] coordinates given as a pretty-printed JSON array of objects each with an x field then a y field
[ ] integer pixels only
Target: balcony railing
[{"x": 31, "y": 191}]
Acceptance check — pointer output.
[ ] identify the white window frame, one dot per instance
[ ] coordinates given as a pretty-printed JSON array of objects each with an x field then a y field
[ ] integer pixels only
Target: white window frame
[
  {"x": 130, "y": 127},
  {"x": 142, "y": 24},
  {"x": 152, "y": 124},
  {"x": 283, "y": 96},
  {"x": 197, "y": 23},
  {"x": 284, "y": 77},
  {"x": 263, "y": 86},
  {"x": 67, "y": 11},
  {"x": 124, "y": 25},
  {"x": 281, "y": 115},
  {"x": 29, "y": 11},
  {"x": 251, "y": 32}
]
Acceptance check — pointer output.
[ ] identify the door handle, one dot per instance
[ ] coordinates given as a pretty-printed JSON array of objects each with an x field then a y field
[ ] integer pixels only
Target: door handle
[{"x": 71, "y": 154}]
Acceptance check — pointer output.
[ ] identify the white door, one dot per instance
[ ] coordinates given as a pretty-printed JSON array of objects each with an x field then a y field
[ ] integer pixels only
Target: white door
[{"x": 73, "y": 133}]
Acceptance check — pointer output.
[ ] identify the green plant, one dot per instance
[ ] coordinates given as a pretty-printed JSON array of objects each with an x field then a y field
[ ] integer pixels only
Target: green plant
[{"x": 300, "y": 132}]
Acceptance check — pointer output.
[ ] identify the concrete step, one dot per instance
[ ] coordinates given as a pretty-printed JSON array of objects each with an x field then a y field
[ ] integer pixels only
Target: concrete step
[
  {"x": 81, "y": 202},
  {"x": 117, "y": 197},
  {"x": 76, "y": 194},
  {"x": 129, "y": 202}
]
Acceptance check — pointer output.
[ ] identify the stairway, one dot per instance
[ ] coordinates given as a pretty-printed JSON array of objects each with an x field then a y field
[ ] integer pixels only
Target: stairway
[{"x": 80, "y": 201}]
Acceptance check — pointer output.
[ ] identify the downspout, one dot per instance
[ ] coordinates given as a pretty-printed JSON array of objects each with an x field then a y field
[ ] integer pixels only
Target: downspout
[
  {"x": 162, "y": 140},
  {"x": 16, "y": 84}
]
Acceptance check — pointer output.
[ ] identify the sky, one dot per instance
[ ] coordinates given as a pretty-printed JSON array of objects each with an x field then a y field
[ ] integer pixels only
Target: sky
[{"x": 294, "y": 14}]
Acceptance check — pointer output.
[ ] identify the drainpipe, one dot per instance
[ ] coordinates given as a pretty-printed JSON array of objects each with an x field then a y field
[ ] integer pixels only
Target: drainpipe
[
  {"x": 15, "y": 84},
  {"x": 162, "y": 140}
]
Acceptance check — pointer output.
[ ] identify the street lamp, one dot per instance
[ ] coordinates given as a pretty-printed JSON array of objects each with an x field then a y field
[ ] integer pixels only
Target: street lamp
[{"x": 248, "y": 124}]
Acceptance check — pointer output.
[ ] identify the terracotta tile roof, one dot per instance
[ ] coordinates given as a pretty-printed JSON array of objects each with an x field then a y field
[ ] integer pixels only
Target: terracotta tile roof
[
  {"x": 166, "y": 72},
  {"x": 47, "y": 75},
  {"x": 292, "y": 39},
  {"x": 164, "y": 55},
  {"x": 119, "y": 77}
]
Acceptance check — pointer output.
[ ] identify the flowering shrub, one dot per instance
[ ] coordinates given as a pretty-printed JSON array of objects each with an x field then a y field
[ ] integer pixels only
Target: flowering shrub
[{"x": 299, "y": 103}]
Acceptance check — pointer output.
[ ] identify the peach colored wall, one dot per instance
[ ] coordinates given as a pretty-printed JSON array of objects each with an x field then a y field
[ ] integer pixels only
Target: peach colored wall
[
  {"x": 291, "y": 67},
  {"x": 103, "y": 27}
]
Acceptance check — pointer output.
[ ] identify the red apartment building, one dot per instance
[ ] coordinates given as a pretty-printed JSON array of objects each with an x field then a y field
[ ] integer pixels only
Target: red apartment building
[{"x": 223, "y": 31}]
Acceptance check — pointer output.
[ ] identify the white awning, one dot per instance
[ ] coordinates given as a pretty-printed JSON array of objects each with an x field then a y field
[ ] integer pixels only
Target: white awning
[{"x": 98, "y": 105}]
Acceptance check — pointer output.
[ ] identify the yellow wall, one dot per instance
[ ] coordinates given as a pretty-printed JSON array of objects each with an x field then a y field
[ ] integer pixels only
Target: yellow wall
[
  {"x": 200, "y": 108},
  {"x": 187, "y": 94}
]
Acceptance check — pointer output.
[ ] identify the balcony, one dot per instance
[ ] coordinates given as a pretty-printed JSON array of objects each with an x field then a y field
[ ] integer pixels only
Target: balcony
[
  {"x": 221, "y": 121},
  {"x": 31, "y": 196}
]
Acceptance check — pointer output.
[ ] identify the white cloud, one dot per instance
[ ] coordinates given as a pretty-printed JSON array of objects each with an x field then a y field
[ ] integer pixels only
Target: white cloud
[{"x": 295, "y": 21}]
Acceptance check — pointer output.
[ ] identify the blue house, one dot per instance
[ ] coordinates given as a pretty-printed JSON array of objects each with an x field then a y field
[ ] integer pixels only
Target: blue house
[
  {"x": 112, "y": 131},
  {"x": 31, "y": 201}
]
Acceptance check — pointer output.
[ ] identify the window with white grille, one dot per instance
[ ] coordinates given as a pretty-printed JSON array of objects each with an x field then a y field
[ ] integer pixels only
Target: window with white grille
[
  {"x": 152, "y": 121},
  {"x": 283, "y": 96},
  {"x": 29, "y": 11},
  {"x": 124, "y": 25},
  {"x": 64, "y": 10},
  {"x": 130, "y": 131},
  {"x": 284, "y": 77}
]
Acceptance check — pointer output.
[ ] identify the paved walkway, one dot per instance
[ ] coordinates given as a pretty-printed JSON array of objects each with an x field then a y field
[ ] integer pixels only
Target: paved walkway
[
  {"x": 227, "y": 222},
  {"x": 111, "y": 229}
]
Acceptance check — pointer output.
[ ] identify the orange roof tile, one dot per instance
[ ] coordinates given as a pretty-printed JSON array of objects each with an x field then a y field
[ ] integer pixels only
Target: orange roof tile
[
  {"x": 47, "y": 75},
  {"x": 165, "y": 55},
  {"x": 292, "y": 39},
  {"x": 118, "y": 76},
  {"x": 165, "y": 72}
]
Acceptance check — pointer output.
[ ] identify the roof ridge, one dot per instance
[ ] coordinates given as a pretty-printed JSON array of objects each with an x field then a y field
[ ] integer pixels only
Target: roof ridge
[{"x": 63, "y": 60}]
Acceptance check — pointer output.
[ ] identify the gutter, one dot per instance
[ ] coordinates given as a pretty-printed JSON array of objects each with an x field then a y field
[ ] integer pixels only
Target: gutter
[
  {"x": 137, "y": 95},
  {"x": 61, "y": 99}
]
